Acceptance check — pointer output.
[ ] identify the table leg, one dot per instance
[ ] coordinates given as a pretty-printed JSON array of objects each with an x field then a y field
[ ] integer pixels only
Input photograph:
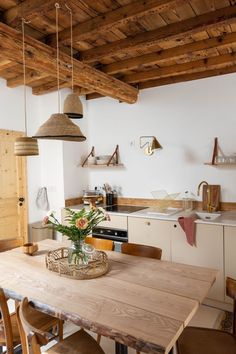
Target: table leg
[{"x": 121, "y": 349}]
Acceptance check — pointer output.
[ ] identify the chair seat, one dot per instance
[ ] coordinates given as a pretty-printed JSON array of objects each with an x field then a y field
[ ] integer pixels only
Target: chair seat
[
  {"x": 40, "y": 320},
  {"x": 78, "y": 343},
  {"x": 196, "y": 340}
]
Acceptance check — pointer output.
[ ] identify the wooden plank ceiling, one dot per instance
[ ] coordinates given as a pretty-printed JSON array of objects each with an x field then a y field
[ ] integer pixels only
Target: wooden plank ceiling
[{"x": 120, "y": 46}]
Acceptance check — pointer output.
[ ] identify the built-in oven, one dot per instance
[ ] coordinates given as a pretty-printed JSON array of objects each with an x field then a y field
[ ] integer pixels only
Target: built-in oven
[{"x": 117, "y": 235}]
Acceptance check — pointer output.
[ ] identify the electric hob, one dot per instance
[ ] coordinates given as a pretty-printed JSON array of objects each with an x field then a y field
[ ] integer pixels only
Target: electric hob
[{"x": 126, "y": 209}]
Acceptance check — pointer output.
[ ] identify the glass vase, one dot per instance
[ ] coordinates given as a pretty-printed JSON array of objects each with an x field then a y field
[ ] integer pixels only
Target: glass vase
[{"x": 76, "y": 255}]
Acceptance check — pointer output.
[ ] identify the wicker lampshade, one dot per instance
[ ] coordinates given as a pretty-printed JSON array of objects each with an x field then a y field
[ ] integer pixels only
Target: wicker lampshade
[
  {"x": 60, "y": 127},
  {"x": 73, "y": 106},
  {"x": 26, "y": 146}
]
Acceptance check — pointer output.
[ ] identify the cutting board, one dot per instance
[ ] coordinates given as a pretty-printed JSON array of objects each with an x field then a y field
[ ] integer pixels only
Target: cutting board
[{"x": 214, "y": 196}]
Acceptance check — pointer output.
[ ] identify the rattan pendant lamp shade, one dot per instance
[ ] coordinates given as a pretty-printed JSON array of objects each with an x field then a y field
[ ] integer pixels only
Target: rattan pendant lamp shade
[
  {"x": 25, "y": 146},
  {"x": 73, "y": 107},
  {"x": 59, "y": 126}
]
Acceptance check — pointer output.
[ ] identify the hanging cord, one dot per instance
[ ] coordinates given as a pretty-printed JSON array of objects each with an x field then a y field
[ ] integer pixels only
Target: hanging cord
[
  {"x": 23, "y": 21},
  {"x": 57, "y": 6},
  {"x": 71, "y": 47}
]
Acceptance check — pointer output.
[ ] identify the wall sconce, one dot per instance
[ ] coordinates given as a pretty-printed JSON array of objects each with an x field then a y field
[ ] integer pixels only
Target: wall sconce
[{"x": 150, "y": 143}]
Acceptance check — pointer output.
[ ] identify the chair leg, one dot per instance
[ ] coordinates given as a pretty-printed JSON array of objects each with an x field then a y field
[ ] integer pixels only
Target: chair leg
[
  {"x": 137, "y": 352},
  {"x": 60, "y": 330},
  {"x": 99, "y": 338}
]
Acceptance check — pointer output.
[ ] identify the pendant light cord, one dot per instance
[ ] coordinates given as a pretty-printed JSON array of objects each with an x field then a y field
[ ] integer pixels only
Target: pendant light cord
[
  {"x": 71, "y": 47},
  {"x": 23, "y": 21},
  {"x": 57, "y": 6}
]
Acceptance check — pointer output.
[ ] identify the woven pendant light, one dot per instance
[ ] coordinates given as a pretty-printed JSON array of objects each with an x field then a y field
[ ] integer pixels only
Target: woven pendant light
[
  {"x": 73, "y": 107},
  {"x": 25, "y": 146},
  {"x": 59, "y": 126}
]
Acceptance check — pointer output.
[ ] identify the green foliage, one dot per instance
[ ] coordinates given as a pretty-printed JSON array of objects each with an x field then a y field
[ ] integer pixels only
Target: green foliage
[{"x": 80, "y": 223}]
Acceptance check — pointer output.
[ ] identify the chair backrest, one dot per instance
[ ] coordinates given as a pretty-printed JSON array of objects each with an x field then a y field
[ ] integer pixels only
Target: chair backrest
[
  {"x": 100, "y": 244},
  {"x": 231, "y": 292},
  {"x": 141, "y": 250},
  {"x": 6, "y": 320},
  {"x": 31, "y": 338}
]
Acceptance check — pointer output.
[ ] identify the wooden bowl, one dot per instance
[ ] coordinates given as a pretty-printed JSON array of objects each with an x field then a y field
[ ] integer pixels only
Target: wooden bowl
[{"x": 30, "y": 248}]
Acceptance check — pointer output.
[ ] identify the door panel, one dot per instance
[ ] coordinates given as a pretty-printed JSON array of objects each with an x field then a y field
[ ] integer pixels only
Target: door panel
[{"x": 13, "y": 214}]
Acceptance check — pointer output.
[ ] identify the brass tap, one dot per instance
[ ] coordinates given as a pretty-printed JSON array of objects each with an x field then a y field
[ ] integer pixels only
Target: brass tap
[
  {"x": 199, "y": 186},
  {"x": 210, "y": 208}
]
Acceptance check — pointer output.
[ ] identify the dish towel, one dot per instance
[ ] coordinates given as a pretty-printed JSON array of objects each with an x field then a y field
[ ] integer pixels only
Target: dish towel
[
  {"x": 42, "y": 199},
  {"x": 189, "y": 227}
]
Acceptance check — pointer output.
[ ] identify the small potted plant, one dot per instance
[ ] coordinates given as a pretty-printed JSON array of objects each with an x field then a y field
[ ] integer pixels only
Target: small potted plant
[{"x": 80, "y": 226}]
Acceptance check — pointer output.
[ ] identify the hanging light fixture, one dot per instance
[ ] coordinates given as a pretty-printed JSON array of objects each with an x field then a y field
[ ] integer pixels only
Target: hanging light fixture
[
  {"x": 59, "y": 126},
  {"x": 25, "y": 146},
  {"x": 73, "y": 107}
]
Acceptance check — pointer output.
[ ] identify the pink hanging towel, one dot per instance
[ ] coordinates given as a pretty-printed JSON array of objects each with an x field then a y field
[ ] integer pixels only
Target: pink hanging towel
[{"x": 189, "y": 227}]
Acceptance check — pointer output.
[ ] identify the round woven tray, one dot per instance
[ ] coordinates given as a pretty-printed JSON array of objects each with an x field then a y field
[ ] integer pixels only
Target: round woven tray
[{"x": 57, "y": 261}]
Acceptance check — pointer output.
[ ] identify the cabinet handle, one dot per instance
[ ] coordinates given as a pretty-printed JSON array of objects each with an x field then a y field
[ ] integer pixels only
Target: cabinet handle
[
  {"x": 148, "y": 223},
  {"x": 175, "y": 225}
]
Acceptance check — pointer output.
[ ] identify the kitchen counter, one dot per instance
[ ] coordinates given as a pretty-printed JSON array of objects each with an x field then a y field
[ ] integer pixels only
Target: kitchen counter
[{"x": 227, "y": 218}]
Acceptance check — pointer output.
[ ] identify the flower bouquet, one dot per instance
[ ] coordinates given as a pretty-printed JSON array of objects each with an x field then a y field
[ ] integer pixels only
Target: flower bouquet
[{"x": 79, "y": 226}]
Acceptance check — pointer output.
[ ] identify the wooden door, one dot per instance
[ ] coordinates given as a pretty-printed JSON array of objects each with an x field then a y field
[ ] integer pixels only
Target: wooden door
[{"x": 13, "y": 199}]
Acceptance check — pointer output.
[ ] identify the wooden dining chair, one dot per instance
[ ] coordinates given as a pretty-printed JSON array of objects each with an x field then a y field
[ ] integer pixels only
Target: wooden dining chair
[
  {"x": 100, "y": 244},
  {"x": 9, "y": 332},
  {"x": 134, "y": 249},
  {"x": 195, "y": 340},
  {"x": 138, "y": 250},
  {"x": 34, "y": 337}
]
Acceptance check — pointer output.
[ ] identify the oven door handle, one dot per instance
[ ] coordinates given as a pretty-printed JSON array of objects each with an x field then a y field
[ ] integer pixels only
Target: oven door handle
[{"x": 111, "y": 237}]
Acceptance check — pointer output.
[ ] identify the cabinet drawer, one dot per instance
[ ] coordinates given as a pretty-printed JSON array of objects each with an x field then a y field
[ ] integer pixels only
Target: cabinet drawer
[{"x": 116, "y": 222}]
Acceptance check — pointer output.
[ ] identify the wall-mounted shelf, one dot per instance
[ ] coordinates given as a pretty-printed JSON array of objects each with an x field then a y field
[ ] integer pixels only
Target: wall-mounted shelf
[
  {"x": 227, "y": 161},
  {"x": 110, "y": 163}
]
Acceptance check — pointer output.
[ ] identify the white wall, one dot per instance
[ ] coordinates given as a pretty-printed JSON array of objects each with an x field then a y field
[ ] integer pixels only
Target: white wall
[{"x": 185, "y": 118}]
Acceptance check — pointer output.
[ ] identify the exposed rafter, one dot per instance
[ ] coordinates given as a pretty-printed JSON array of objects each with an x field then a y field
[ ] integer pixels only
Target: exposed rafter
[
  {"x": 202, "y": 64},
  {"x": 167, "y": 54},
  {"x": 115, "y": 18},
  {"x": 27, "y": 9},
  {"x": 30, "y": 77},
  {"x": 175, "y": 31},
  {"x": 42, "y": 57}
]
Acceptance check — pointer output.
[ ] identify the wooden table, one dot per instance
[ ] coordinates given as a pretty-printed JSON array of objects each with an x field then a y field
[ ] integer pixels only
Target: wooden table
[{"x": 142, "y": 303}]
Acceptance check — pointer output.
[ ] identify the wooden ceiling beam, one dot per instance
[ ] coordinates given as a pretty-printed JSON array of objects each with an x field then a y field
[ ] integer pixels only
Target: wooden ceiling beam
[
  {"x": 111, "y": 19},
  {"x": 30, "y": 77},
  {"x": 202, "y": 64},
  {"x": 175, "y": 31},
  {"x": 27, "y": 9},
  {"x": 187, "y": 77},
  {"x": 176, "y": 79},
  {"x": 167, "y": 54},
  {"x": 52, "y": 86},
  {"x": 41, "y": 57}
]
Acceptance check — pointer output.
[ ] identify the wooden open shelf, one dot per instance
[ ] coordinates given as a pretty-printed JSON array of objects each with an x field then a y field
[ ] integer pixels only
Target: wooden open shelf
[
  {"x": 215, "y": 155},
  {"x": 115, "y": 155}
]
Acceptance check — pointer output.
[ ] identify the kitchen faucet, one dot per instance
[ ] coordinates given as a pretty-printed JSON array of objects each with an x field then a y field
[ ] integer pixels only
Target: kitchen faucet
[{"x": 210, "y": 208}]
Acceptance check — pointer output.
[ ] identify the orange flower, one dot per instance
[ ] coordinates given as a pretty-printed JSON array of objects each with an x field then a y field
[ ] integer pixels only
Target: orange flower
[{"x": 81, "y": 223}]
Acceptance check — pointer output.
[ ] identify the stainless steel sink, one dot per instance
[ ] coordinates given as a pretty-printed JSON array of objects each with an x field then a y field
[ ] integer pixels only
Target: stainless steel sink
[
  {"x": 207, "y": 216},
  {"x": 164, "y": 212}
]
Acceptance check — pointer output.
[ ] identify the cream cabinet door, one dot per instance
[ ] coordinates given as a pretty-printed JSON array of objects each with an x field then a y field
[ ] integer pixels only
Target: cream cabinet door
[
  {"x": 230, "y": 254},
  {"x": 151, "y": 232},
  {"x": 207, "y": 253}
]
